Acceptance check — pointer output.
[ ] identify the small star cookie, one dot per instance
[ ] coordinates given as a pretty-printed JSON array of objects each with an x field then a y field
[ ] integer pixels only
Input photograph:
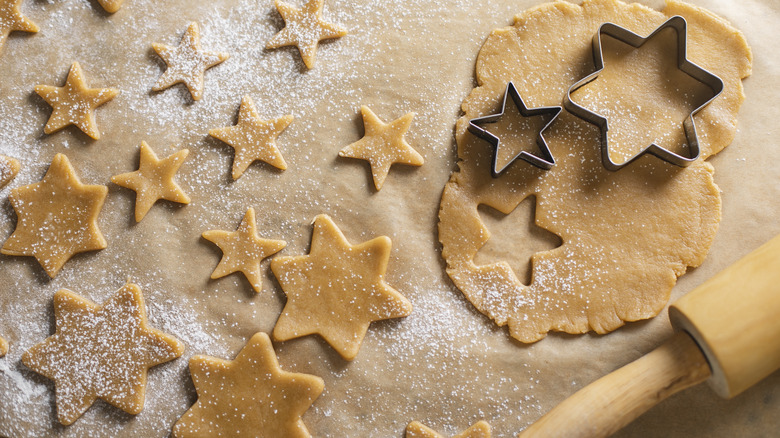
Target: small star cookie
[
  {"x": 253, "y": 139},
  {"x": 3, "y": 347},
  {"x": 415, "y": 429},
  {"x": 383, "y": 145},
  {"x": 304, "y": 28},
  {"x": 57, "y": 217},
  {"x": 74, "y": 103},
  {"x": 248, "y": 396},
  {"x": 100, "y": 352},
  {"x": 111, "y": 6},
  {"x": 11, "y": 19},
  {"x": 186, "y": 63},
  {"x": 243, "y": 250},
  {"x": 154, "y": 180},
  {"x": 9, "y": 168},
  {"x": 336, "y": 290}
]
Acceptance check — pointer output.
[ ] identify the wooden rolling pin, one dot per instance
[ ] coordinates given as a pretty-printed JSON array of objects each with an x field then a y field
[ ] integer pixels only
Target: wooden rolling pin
[{"x": 727, "y": 332}]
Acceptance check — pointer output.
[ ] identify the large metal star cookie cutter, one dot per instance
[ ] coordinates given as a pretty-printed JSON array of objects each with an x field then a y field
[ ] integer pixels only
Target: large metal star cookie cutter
[{"x": 703, "y": 76}]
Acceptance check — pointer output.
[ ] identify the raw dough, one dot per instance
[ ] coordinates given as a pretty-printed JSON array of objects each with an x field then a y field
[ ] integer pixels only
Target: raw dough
[
  {"x": 9, "y": 168},
  {"x": 304, "y": 28},
  {"x": 415, "y": 429},
  {"x": 11, "y": 19}
]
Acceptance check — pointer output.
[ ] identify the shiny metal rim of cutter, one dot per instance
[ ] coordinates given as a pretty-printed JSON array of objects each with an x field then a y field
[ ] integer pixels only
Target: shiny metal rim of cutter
[{"x": 715, "y": 84}]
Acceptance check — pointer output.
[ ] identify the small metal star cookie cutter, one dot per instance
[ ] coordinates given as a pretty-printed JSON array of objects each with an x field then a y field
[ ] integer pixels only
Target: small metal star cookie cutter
[
  {"x": 545, "y": 161},
  {"x": 715, "y": 84}
]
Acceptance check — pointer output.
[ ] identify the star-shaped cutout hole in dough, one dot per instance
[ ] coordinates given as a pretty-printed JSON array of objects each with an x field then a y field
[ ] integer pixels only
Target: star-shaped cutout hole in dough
[
  {"x": 9, "y": 168},
  {"x": 154, "y": 180},
  {"x": 243, "y": 250},
  {"x": 304, "y": 28},
  {"x": 248, "y": 396},
  {"x": 74, "y": 103},
  {"x": 100, "y": 352},
  {"x": 57, "y": 217},
  {"x": 415, "y": 429},
  {"x": 336, "y": 290},
  {"x": 253, "y": 139},
  {"x": 11, "y": 19},
  {"x": 186, "y": 63},
  {"x": 383, "y": 145},
  {"x": 111, "y": 6}
]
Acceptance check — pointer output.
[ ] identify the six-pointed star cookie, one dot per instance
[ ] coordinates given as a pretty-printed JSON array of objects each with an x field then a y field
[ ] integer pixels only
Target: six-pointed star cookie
[
  {"x": 74, "y": 103},
  {"x": 248, "y": 396},
  {"x": 100, "y": 352},
  {"x": 9, "y": 168},
  {"x": 111, "y": 6},
  {"x": 415, "y": 429},
  {"x": 11, "y": 19},
  {"x": 304, "y": 28},
  {"x": 336, "y": 290},
  {"x": 187, "y": 62},
  {"x": 243, "y": 250},
  {"x": 57, "y": 217},
  {"x": 154, "y": 180},
  {"x": 253, "y": 139},
  {"x": 383, "y": 145}
]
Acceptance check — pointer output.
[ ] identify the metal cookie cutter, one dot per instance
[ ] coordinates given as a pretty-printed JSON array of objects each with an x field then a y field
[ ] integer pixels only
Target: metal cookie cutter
[
  {"x": 715, "y": 84},
  {"x": 546, "y": 160}
]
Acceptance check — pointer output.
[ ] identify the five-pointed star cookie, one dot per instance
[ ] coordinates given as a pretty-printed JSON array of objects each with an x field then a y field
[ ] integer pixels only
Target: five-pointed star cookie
[
  {"x": 74, "y": 103},
  {"x": 154, "y": 180},
  {"x": 57, "y": 217},
  {"x": 383, "y": 145},
  {"x": 415, "y": 429},
  {"x": 243, "y": 250},
  {"x": 111, "y": 6},
  {"x": 336, "y": 290},
  {"x": 304, "y": 28},
  {"x": 100, "y": 352},
  {"x": 248, "y": 396},
  {"x": 9, "y": 168},
  {"x": 187, "y": 62},
  {"x": 11, "y": 19},
  {"x": 253, "y": 139}
]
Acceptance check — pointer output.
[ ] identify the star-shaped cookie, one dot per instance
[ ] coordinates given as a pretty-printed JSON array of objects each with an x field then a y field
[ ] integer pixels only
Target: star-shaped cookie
[
  {"x": 100, "y": 352},
  {"x": 248, "y": 396},
  {"x": 111, "y": 6},
  {"x": 57, "y": 217},
  {"x": 253, "y": 139},
  {"x": 9, "y": 168},
  {"x": 415, "y": 429},
  {"x": 154, "y": 180},
  {"x": 74, "y": 103},
  {"x": 3, "y": 347},
  {"x": 186, "y": 63},
  {"x": 304, "y": 28},
  {"x": 336, "y": 290},
  {"x": 11, "y": 19},
  {"x": 383, "y": 145},
  {"x": 243, "y": 250}
]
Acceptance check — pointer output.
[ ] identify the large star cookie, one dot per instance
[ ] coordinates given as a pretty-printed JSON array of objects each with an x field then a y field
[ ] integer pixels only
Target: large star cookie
[
  {"x": 253, "y": 139},
  {"x": 74, "y": 103},
  {"x": 186, "y": 63},
  {"x": 11, "y": 19},
  {"x": 100, "y": 352},
  {"x": 304, "y": 28},
  {"x": 154, "y": 180},
  {"x": 415, "y": 429},
  {"x": 9, "y": 168},
  {"x": 336, "y": 290},
  {"x": 243, "y": 250},
  {"x": 383, "y": 145},
  {"x": 57, "y": 217},
  {"x": 248, "y": 396}
]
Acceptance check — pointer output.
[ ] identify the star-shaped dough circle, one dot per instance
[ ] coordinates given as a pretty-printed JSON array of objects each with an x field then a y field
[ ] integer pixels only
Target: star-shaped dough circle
[
  {"x": 248, "y": 396},
  {"x": 243, "y": 250},
  {"x": 100, "y": 352},
  {"x": 187, "y": 63},
  {"x": 154, "y": 180},
  {"x": 74, "y": 103},
  {"x": 11, "y": 19},
  {"x": 336, "y": 290},
  {"x": 57, "y": 217},
  {"x": 253, "y": 139},
  {"x": 480, "y": 429},
  {"x": 9, "y": 168},
  {"x": 383, "y": 145},
  {"x": 304, "y": 28}
]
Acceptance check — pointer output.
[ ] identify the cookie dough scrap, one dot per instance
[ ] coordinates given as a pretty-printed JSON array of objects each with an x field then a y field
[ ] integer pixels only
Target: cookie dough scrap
[
  {"x": 57, "y": 217},
  {"x": 111, "y": 6},
  {"x": 304, "y": 28},
  {"x": 253, "y": 139},
  {"x": 100, "y": 352},
  {"x": 626, "y": 235},
  {"x": 154, "y": 180},
  {"x": 243, "y": 250},
  {"x": 415, "y": 429},
  {"x": 11, "y": 19},
  {"x": 383, "y": 145},
  {"x": 9, "y": 168},
  {"x": 74, "y": 103},
  {"x": 248, "y": 396},
  {"x": 186, "y": 63},
  {"x": 336, "y": 290}
]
